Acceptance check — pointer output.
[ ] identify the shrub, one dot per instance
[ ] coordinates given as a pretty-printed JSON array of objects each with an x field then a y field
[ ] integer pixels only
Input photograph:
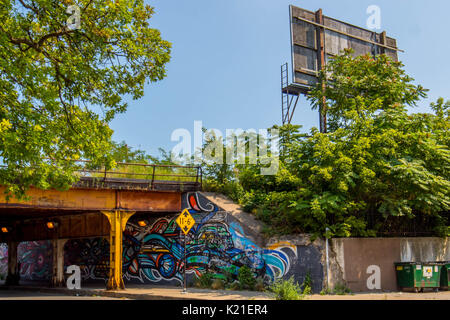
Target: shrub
[
  {"x": 325, "y": 292},
  {"x": 246, "y": 278},
  {"x": 259, "y": 285},
  {"x": 205, "y": 280},
  {"x": 234, "y": 286},
  {"x": 340, "y": 289},
  {"x": 217, "y": 284},
  {"x": 286, "y": 290}
]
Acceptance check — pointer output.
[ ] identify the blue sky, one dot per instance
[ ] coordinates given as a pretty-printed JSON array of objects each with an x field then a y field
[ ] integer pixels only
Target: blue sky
[{"x": 226, "y": 58}]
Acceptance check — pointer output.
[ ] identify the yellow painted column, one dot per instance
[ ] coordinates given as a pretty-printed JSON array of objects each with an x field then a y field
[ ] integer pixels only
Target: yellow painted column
[{"x": 117, "y": 220}]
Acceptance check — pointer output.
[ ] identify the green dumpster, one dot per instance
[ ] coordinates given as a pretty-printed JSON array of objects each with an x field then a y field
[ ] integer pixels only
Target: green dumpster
[
  {"x": 445, "y": 275},
  {"x": 418, "y": 275}
]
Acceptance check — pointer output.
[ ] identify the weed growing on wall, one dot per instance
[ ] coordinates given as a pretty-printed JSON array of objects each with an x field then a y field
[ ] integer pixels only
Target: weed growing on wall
[
  {"x": 341, "y": 290},
  {"x": 307, "y": 284}
]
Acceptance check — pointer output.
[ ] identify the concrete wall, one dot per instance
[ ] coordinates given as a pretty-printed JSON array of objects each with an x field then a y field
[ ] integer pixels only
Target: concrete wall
[
  {"x": 355, "y": 262},
  {"x": 224, "y": 239}
]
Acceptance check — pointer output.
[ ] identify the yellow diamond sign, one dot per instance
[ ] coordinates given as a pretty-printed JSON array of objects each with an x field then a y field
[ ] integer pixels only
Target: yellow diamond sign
[{"x": 185, "y": 221}]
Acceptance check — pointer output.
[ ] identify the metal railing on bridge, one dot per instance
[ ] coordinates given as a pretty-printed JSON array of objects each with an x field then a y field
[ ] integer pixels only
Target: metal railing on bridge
[{"x": 142, "y": 176}]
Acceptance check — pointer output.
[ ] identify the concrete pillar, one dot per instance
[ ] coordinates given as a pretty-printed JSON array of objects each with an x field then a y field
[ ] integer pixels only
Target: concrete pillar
[
  {"x": 117, "y": 220},
  {"x": 13, "y": 267},
  {"x": 58, "y": 262}
]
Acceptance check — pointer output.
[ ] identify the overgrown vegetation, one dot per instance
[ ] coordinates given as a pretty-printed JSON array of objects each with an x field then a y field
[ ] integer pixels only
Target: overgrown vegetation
[
  {"x": 378, "y": 171},
  {"x": 307, "y": 284},
  {"x": 290, "y": 290},
  {"x": 339, "y": 289},
  {"x": 205, "y": 280},
  {"x": 286, "y": 290},
  {"x": 246, "y": 279}
]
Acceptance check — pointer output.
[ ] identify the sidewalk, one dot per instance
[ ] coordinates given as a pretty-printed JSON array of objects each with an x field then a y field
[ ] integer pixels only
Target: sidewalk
[{"x": 139, "y": 292}]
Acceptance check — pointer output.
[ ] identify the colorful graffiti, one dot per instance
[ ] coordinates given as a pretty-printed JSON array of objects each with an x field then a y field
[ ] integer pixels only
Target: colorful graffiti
[
  {"x": 91, "y": 255},
  {"x": 155, "y": 252},
  {"x": 35, "y": 258},
  {"x": 3, "y": 261}
]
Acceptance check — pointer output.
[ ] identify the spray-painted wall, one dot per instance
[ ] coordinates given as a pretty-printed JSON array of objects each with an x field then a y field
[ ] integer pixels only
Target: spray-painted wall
[
  {"x": 91, "y": 255},
  {"x": 35, "y": 258},
  {"x": 216, "y": 243},
  {"x": 154, "y": 253}
]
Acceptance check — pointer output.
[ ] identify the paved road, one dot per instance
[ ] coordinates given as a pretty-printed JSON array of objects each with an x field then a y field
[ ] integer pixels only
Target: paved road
[
  {"x": 157, "y": 293},
  {"x": 27, "y": 295}
]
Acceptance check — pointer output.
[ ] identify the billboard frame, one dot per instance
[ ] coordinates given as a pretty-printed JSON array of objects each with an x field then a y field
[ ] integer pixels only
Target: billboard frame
[{"x": 314, "y": 52}]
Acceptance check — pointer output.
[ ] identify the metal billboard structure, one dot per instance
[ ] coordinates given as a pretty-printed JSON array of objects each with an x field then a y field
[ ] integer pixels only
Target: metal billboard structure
[{"x": 315, "y": 39}]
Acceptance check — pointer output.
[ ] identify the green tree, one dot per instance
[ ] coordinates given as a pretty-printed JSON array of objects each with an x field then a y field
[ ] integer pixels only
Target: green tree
[
  {"x": 60, "y": 86},
  {"x": 123, "y": 153},
  {"x": 361, "y": 86},
  {"x": 379, "y": 170}
]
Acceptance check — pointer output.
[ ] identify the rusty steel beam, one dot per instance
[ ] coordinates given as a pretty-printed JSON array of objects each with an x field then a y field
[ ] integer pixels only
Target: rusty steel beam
[{"x": 95, "y": 200}]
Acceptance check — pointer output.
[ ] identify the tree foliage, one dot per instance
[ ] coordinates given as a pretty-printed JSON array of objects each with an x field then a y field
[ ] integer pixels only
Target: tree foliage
[
  {"x": 61, "y": 86},
  {"x": 378, "y": 170}
]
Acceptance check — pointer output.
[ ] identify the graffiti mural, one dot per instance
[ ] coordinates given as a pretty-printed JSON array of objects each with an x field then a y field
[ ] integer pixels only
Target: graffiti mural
[
  {"x": 91, "y": 255},
  {"x": 35, "y": 258},
  {"x": 3, "y": 261},
  {"x": 155, "y": 252}
]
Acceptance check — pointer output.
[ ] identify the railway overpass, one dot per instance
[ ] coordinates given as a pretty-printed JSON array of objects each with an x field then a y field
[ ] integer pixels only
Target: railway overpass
[{"x": 98, "y": 205}]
